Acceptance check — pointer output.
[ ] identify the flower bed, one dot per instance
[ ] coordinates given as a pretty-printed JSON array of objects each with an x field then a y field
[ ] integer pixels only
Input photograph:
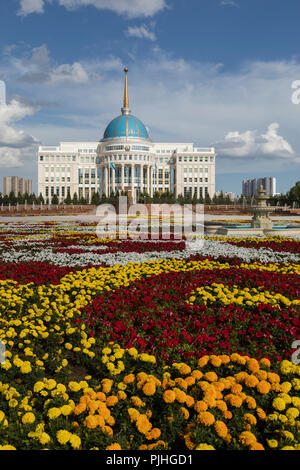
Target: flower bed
[{"x": 182, "y": 349}]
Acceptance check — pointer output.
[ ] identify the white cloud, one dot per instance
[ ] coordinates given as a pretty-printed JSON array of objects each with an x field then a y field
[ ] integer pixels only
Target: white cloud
[
  {"x": 35, "y": 67},
  {"x": 254, "y": 145},
  {"x": 141, "y": 32},
  {"x": 74, "y": 73},
  {"x": 14, "y": 144},
  {"x": 30, "y": 6},
  {"x": 130, "y": 8},
  {"x": 230, "y": 3},
  {"x": 179, "y": 100}
]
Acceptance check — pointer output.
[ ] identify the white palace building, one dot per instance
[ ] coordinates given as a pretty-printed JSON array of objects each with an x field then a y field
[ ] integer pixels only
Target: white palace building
[{"x": 125, "y": 159}]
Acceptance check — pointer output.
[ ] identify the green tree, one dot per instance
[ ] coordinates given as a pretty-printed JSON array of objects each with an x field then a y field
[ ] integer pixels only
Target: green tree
[{"x": 54, "y": 199}]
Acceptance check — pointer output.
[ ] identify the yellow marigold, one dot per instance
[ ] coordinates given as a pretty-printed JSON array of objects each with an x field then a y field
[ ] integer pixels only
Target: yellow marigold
[
  {"x": 75, "y": 441},
  {"x": 190, "y": 381},
  {"x": 205, "y": 447},
  {"x": 63, "y": 436},
  {"x": 28, "y": 418},
  {"x": 206, "y": 418},
  {"x": 286, "y": 387},
  {"x": 44, "y": 438},
  {"x": 247, "y": 438},
  {"x": 292, "y": 413},
  {"x": 272, "y": 443},
  {"x": 221, "y": 429},
  {"x": 108, "y": 430},
  {"x": 278, "y": 404},
  {"x": 66, "y": 410},
  {"x": 143, "y": 424},
  {"x": 74, "y": 386},
  {"x": 114, "y": 446},
  {"x": 54, "y": 413},
  {"x": 263, "y": 387},
  {"x": 169, "y": 396},
  {"x": 149, "y": 388}
]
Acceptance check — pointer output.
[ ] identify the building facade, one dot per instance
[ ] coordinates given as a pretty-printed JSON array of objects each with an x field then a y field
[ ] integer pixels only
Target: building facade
[
  {"x": 251, "y": 187},
  {"x": 16, "y": 185},
  {"x": 125, "y": 160}
]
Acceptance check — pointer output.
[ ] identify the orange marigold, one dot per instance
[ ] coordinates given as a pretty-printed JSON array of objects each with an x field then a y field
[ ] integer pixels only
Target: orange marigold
[
  {"x": 200, "y": 406},
  {"x": 221, "y": 429},
  {"x": 206, "y": 418},
  {"x": 169, "y": 396},
  {"x": 143, "y": 424},
  {"x": 263, "y": 387},
  {"x": 114, "y": 446},
  {"x": 112, "y": 400},
  {"x": 149, "y": 388},
  {"x": 203, "y": 361}
]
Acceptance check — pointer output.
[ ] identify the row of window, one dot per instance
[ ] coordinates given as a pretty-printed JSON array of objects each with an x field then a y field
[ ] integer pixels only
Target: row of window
[
  {"x": 57, "y": 179},
  {"x": 196, "y": 180},
  {"x": 196, "y": 170},
  {"x": 196, "y": 191},
  {"x": 113, "y": 158},
  {"x": 195, "y": 159},
  {"x": 87, "y": 150},
  {"x": 66, "y": 158}
]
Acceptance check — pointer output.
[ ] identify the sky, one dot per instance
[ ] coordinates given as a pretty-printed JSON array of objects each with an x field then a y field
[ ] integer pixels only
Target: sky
[{"x": 219, "y": 73}]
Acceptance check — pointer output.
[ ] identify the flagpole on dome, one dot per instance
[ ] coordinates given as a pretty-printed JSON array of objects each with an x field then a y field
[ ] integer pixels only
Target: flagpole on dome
[{"x": 125, "y": 109}]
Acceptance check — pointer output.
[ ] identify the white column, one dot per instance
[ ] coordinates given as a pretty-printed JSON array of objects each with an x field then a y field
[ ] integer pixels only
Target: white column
[
  {"x": 106, "y": 180},
  {"x": 142, "y": 177},
  {"x": 132, "y": 182},
  {"x": 122, "y": 177},
  {"x": 113, "y": 180}
]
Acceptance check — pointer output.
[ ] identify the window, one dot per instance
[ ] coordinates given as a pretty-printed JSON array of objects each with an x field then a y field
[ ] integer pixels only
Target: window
[
  {"x": 47, "y": 158},
  {"x": 41, "y": 158}
]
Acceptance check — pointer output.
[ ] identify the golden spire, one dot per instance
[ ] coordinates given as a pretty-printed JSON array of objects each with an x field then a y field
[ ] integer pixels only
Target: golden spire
[{"x": 126, "y": 101}]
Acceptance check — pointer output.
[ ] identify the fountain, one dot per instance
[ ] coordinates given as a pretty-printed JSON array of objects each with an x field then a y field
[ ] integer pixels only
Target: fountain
[
  {"x": 261, "y": 211},
  {"x": 261, "y": 224}
]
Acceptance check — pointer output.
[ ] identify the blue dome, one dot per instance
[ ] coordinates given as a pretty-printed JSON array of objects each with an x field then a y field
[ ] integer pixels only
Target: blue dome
[{"x": 126, "y": 125}]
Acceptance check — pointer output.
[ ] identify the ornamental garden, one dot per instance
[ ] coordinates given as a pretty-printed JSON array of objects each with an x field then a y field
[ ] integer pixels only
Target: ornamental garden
[{"x": 141, "y": 345}]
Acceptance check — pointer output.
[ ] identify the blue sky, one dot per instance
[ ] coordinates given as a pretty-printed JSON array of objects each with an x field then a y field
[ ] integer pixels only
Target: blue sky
[{"x": 211, "y": 72}]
